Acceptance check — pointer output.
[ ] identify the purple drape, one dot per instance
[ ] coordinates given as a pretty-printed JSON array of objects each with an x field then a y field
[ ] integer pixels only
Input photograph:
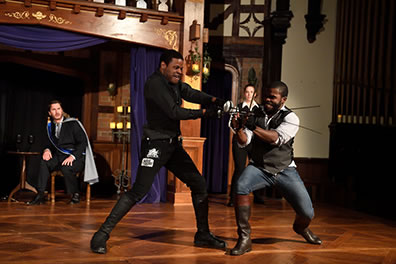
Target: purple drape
[
  {"x": 217, "y": 133},
  {"x": 144, "y": 61},
  {"x": 44, "y": 39}
]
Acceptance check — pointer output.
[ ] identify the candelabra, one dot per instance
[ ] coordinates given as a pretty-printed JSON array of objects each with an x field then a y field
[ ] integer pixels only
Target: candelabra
[
  {"x": 120, "y": 131},
  {"x": 19, "y": 142}
]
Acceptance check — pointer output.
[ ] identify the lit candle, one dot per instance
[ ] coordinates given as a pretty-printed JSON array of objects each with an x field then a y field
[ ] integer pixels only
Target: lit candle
[
  {"x": 112, "y": 125},
  {"x": 119, "y": 109},
  {"x": 129, "y": 109},
  {"x": 205, "y": 70},
  {"x": 128, "y": 125},
  {"x": 195, "y": 68},
  {"x": 119, "y": 125}
]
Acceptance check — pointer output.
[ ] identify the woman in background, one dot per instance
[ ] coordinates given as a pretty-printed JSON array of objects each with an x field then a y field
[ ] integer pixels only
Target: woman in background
[{"x": 240, "y": 154}]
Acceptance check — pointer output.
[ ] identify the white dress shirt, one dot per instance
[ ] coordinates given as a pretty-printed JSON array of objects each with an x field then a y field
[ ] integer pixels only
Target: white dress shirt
[{"x": 286, "y": 130}]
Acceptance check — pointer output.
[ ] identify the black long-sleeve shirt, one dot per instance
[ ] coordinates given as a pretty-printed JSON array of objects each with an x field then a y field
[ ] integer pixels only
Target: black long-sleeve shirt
[{"x": 163, "y": 106}]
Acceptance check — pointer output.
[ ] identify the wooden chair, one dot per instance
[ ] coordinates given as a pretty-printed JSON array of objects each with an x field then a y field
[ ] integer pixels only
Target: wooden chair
[{"x": 80, "y": 175}]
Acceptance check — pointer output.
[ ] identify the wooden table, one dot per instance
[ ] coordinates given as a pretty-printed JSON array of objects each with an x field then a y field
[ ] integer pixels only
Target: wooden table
[{"x": 23, "y": 184}]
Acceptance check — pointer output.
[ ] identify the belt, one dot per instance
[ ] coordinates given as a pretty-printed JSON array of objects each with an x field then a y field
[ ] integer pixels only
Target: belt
[{"x": 168, "y": 140}]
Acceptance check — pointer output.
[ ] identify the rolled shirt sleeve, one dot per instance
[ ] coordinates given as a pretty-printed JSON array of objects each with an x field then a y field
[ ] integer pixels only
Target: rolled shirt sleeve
[
  {"x": 249, "y": 136},
  {"x": 287, "y": 129}
]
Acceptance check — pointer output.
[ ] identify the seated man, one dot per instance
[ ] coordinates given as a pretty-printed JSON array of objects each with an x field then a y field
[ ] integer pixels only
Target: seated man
[{"x": 65, "y": 151}]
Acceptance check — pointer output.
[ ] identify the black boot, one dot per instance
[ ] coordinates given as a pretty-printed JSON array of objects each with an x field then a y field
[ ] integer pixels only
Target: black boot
[
  {"x": 203, "y": 237},
  {"x": 122, "y": 207},
  {"x": 300, "y": 226},
  {"x": 242, "y": 215},
  {"x": 75, "y": 198},
  {"x": 38, "y": 199},
  {"x": 231, "y": 202},
  {"x": 259, "y": 196}
]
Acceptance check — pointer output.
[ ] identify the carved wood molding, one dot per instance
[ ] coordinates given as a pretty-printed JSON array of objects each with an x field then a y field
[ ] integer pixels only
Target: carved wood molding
[
  {"x": 314, "y": 19},
  {"x": 236, "y": 9},
  {"x": 92, "y": 6},
  {"x": 280, "y": 20},
  {"x": 98, "y": 19}
]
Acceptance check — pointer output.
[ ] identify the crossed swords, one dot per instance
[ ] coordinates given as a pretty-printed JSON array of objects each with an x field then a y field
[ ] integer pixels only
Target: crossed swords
[{"x": 229, "y": 108}]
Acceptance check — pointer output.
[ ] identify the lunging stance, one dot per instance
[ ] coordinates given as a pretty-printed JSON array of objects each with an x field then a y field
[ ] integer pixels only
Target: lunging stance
[
  {"x": 272, "y": 133},
  {"x": 161, "y": 146}
]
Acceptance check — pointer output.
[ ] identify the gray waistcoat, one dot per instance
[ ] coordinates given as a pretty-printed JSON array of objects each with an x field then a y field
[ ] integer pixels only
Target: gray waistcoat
[{"x": 272, "y": 158}]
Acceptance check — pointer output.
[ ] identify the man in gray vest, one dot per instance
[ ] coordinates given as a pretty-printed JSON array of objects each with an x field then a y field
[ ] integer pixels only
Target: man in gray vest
[{"x": 271, "y": 131}]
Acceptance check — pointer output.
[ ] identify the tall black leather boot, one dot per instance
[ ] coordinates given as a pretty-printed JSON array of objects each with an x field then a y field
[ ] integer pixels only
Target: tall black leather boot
[
  {"x": 122, "y": 207},
  {"x": 203, "y": 237},
  {"x": 242, "y": 216},
  {"x": 300, "y": 226}
]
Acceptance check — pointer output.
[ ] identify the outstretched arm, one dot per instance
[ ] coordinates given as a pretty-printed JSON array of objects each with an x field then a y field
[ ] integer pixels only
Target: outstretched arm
[{"x": 156, "y": 92}]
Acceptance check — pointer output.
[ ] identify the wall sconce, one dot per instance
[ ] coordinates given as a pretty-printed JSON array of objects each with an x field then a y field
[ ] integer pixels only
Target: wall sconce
[
  {"x": 110, "y": 79},
  {"x": 195, "y": 31},
  {"x": 206, "y": 57},
  {"x": 111, "y": 88},
  {"x": 207, "y": 60},
  {"x": 196, "y": 61},
  {"x": 193, "y": 62}
]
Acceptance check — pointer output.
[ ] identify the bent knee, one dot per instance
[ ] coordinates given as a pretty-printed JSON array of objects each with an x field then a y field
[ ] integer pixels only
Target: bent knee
[
  {"x": 243, "y": 187},
  {"x": 197, "y": 184},
  {"x": 308, "y": 213}
]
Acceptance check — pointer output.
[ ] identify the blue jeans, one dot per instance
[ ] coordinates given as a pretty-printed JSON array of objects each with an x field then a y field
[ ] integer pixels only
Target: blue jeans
[{"x": 288, "y": 182}]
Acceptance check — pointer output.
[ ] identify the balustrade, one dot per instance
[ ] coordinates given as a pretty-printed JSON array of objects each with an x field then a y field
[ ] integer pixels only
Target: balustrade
[{"x": 155, "y": 5}]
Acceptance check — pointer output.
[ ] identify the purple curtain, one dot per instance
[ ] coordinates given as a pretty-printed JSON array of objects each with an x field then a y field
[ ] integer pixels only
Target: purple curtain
[
  {"x": 217, "y": 133},
  {"x": 44, "y": 39},
  {"x": 144, "y": 61}
]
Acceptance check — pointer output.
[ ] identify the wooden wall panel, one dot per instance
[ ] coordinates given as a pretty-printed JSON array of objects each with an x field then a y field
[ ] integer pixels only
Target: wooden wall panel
[
  {"x": 314, "y": 173},
  {"x": 364, "y": 83},
  {"x": 108, "y": 161}
]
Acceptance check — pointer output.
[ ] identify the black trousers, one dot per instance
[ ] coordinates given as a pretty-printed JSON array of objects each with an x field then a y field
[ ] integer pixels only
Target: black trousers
[
  {"x": 169, "y": 153},
  {"x": 69, "y": 172}
]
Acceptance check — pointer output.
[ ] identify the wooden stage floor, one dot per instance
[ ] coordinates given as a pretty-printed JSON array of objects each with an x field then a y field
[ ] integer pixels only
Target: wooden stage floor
[{"x": 162, "y": 233}]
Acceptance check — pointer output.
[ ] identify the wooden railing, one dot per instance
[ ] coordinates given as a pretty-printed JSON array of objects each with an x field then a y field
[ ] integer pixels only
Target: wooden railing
[
  {"x": 154, "y": 5},
  {"x": 138, "y": 25},
  {"x": 152, "y": 9}
]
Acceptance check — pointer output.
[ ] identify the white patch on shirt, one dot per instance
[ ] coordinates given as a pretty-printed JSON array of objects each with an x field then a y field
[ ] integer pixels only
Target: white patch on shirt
[
  {"x": 152, "y": 153},
  {"x": 147, "y": 162}
]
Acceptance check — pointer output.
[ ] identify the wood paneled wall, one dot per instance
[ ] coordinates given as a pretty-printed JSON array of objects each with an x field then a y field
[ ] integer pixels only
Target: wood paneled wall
[
  {"x": 108, "y": 157},
  {"x": 314, "y": 173},
  {"x": 365, "y": 79}
]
